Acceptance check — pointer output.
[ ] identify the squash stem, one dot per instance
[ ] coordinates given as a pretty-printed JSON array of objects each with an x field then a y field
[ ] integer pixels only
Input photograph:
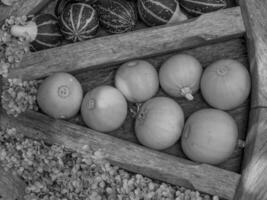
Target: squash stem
[{"x": 187, "y": 93}]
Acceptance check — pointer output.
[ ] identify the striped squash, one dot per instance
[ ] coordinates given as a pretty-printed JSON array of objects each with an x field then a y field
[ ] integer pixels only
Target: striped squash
[
  {"x": 61, "y": 4},
  {"x": 159, "y": 12},
  {"x": 78, "y": 22},
  {"x": 198, "y": 7},
  {"x": 117, "y": 16},
  {"x": 42, "y": 31}
]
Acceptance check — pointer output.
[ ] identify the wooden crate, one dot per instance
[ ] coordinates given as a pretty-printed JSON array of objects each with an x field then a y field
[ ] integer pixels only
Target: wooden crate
[{"x": 209, "y": 37}]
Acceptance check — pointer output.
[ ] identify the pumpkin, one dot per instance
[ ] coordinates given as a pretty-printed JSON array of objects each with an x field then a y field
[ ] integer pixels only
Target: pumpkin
[
  {"x": 42, "y": 32},
  {"x": 159, "y": 12},
  {"x": 78, "y": 22},
  {"x": 61, "y": 4},
  {"x": 198, "y": 7},
  {"x": 117, "y": 16}
]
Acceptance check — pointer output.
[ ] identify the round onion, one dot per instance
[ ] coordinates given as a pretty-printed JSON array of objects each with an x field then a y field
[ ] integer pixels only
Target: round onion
[
  {"x": 60, "y": 95},
  {"x": 137, "y": 80},
  {"x": 209, "y": 136},
  {"x": 225, "y": 84},
  {"x": 180, "y": 76},
  {"x": 104, "y": 108},
  {"x": 159, "y": 123}
]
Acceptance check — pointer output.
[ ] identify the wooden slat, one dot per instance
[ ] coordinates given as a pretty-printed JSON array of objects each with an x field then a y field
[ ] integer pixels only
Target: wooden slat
[
  {"x": 121, "y": 47},
  {"x": 11, "y": 187},
  {"x": 23, "y": 7},
  {"x": 254, "y": 179},
  {"x": 127, "y": 155},
  {"x": 255, "y": 15},
  {"x": 234, "y": 49}
]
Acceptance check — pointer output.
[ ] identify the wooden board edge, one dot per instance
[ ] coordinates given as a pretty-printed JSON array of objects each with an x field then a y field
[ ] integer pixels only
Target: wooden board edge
[
  {"x": 132, "y": 157},
  {"x": 253, "y": 180},
  {"x": 108, "y": 50}
]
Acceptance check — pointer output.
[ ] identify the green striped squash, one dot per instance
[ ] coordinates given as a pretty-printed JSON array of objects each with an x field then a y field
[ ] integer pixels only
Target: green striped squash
[
  {"x": 61, "y": 4},
  {"x": 117, "y": 16},
  {"x": 78, "y": 22},
  {"x": 41, "y": 31},
  {"x": 159, "y": 12},
  {"x": 198, "y": 7}
]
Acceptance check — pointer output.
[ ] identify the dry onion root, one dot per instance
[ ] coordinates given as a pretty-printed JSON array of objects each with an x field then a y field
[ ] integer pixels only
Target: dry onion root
[{"x": 55, "y": 172}]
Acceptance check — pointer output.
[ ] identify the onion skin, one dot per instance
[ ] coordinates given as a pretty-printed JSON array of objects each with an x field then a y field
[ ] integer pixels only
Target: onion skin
[
  {"x": 209, "y": 136},
  {"x": 225, "y": 84},
  {"x": 159, "y": 123},
  {"x": 137, "y": 80},
  {"x": 104, "y": 108},
  {"x": 180, "y": 76},
  {"x": 60, "y": 96}
]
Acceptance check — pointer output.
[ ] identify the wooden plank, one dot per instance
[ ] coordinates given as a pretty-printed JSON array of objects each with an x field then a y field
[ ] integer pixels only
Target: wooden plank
[
  {"x": 254, "y": 179},
  {"x": 11, "y": 187},
  {"x": 117, "y": 48},
  {"x": 22, "y": 7},
  {"x": 127, "y": 155},
  {"x": 255, "y": 14},
  {"x": 234, "y": 49}
]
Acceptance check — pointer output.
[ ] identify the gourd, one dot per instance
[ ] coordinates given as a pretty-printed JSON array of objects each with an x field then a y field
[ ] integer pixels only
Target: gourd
[
  {"x": 61, "y": 4},
  {"x": 180, "y": 76},
  {"x": 225, "y": 84},
  {"x": 104, "y": 108},
  {"x": 198, "y": 7},
  {"x": 42, "y": 32},
  {"x": 209, "y": 136},
  {"x": 159, "y": 12},
  {"x": 117, "y": 16},
  {"x": 78, "y": 22},
  {"x": 159, "y": 123}
]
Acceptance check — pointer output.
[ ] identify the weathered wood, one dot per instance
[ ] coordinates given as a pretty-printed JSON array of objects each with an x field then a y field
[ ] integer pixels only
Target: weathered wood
[
  {"x": 11, "y": 187},
  {"x": 254, "y": 179},
  {"x": 234, "y": 49},
  {"x": 23, "y": 7},
  {"x": 112, "y": 49},
  {"x": 255, "y": 14},
  {"x": 127, "y": 155}
]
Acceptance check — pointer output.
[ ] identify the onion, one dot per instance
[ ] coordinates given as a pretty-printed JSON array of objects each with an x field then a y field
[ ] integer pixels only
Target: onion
[
  {"x": 137, "y": 80},
  {"x": 159, "y": 123},
  {"x": 104, "y": 108},
  {"x": 60, "y": 95},
  {"x": 225, "y": 84},
  {"x": 209, "y": 136},
  {"x": 180, "y": 76}
]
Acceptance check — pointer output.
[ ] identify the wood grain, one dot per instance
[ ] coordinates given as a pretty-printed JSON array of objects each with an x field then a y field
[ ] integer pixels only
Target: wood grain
[
  {"x": 105, "y": 51},
  {"x": 234, "y": 49},
  {"x": 255, "y": 14},
  {"x": 254, "y": 179},
  {"x": 22, "y": 7},
  {"x": 11, "y": 187},
  {"x": 127, "y": 155}
]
